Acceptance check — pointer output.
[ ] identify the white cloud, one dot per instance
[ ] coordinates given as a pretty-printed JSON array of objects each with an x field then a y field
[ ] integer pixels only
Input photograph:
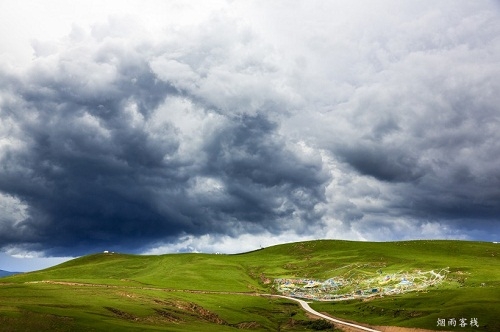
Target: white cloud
[
  {"x": 13, "y": 211},
  {"x": 23, "y": 21},
  {"x": 226, "y": 244},
  {"x": 17, "y": 261}
]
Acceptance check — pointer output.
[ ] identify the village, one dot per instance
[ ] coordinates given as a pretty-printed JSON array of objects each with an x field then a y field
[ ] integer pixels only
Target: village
[{"x": 347, "y": 288}]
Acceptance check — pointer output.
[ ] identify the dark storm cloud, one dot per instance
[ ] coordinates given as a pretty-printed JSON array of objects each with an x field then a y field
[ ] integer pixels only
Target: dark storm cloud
[
  {"x": 375, "y": 122},
  {"x": 383, "y": 164},
  {"x": 96, "y": 168},
  {"x": 265, "y": 180}
]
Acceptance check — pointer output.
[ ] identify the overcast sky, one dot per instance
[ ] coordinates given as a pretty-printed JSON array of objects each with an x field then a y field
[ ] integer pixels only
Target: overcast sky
[{"x": 224, "y": 126}]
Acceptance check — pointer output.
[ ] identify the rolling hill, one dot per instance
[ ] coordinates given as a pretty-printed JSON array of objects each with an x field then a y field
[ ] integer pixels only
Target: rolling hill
[
  {"x": 208, "y": 292},
  {"x": 6, "y": 273}
]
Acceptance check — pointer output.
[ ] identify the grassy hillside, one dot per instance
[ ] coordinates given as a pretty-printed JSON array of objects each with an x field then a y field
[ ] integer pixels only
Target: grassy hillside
[{"x": 179, "y": 291}]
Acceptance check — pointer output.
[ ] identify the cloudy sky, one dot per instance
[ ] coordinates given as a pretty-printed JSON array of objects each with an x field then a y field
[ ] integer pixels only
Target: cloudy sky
[{"x": 173, "y": 126}]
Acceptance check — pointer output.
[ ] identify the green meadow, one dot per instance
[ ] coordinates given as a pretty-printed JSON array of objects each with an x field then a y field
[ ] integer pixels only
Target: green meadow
[{"x": 208, "y": 292}]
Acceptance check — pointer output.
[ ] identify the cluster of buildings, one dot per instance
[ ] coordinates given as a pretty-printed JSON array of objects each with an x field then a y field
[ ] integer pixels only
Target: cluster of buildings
[{"x": 340, "y": 288}]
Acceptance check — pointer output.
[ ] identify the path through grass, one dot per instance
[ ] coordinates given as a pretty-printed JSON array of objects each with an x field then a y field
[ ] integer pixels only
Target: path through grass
[{"x": 137, "y": 294}]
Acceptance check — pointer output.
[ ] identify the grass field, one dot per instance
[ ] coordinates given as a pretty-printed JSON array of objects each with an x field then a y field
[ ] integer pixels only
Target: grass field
[{"x": 199, "y": 292}]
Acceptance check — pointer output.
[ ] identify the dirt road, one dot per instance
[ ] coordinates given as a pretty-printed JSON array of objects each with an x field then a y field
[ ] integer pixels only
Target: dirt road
[{"x": 310, "y": 310}]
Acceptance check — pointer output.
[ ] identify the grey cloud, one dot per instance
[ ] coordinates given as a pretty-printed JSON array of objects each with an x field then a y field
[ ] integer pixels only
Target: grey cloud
[
  {"x": 253, "y": 160},
  {"x": 383, "y": 164},
  {"x": 420, "y": 122},
  {"x": 96, "y": 167},
  {"x": 384, "y": 119}
]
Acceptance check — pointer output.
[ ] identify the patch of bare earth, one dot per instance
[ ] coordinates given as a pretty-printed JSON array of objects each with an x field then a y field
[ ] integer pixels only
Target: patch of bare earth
[
  {"x": 170, "y": 317},
  {"x": 207, "y": 315},
  {"x": 122, "y": 314},
  {"x": 347, "y": 328}
]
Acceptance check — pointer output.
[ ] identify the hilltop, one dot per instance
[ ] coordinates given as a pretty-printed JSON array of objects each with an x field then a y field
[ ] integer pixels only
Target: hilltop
[{"x": 173, "y": 290}]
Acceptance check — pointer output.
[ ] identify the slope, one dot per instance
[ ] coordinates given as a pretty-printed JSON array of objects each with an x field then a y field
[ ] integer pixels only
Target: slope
[{"x": 471, "y": 289}]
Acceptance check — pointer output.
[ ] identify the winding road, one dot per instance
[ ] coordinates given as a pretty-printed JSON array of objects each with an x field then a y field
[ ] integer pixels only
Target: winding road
[{"x": 307, "y": 308}]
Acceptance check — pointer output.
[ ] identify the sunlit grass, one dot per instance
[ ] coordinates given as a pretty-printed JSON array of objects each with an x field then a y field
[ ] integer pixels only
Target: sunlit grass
[{"x": 127, "y": 292}]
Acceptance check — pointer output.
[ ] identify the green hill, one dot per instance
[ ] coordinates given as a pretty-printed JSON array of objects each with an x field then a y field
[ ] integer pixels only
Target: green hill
[{"x": 208, "y": 292}]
